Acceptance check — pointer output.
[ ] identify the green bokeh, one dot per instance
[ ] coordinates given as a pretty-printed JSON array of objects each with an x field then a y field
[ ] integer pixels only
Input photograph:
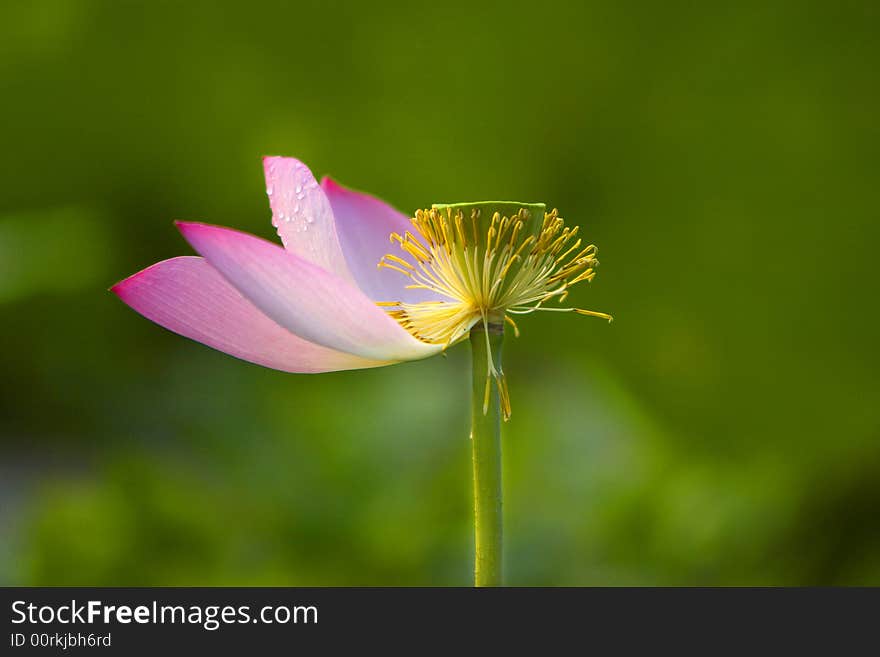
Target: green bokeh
[{"x": 724, "y": 430}]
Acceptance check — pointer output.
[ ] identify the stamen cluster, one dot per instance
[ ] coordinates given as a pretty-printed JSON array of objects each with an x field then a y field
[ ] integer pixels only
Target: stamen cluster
[{"x": 486, "y": 269}]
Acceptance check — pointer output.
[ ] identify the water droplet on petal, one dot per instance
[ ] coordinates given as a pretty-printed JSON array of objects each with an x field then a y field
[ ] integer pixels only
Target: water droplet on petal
[
  {"x": 270, "y": 189},
  {"x": 299, "y": 188}
]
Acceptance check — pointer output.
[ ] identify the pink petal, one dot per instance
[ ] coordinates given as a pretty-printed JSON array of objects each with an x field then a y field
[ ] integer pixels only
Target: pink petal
[
  {"x": 364, "y": 225},
  {"x": 302, "y": 214},
  {"x": 188, "y": 296},
  {"x": 302, "y": 297}
]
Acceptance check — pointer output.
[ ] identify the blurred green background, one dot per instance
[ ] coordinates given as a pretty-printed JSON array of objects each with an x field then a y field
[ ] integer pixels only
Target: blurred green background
[{"x": 724, "y": 156}]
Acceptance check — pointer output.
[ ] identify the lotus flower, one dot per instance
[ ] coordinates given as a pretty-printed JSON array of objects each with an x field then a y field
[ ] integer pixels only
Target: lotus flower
[{"x": 333, "y": 298}]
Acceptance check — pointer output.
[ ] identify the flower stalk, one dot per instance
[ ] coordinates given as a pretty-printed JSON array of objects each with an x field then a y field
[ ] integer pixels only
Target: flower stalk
[{"x": 486, "y": 339}]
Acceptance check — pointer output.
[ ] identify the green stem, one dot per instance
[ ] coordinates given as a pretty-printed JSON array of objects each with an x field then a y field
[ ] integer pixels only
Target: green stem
[{"x": 486, "y": 444}]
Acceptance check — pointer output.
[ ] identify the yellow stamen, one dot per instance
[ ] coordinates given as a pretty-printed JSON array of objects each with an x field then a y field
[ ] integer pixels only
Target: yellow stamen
[
  {"x": 593, "y": 313},
  {"x": 400, "y": 261},
  {"x": 503, "y": 396},
  {"x": 509, "y": 320},
  {"x": 384, "y": 264}
]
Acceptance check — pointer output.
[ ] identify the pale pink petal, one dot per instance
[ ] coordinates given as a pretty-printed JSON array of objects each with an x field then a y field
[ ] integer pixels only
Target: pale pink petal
[
  {"x": 188, "y": 296},
  {"x": 364, "y": 225},
  {"x": 302, "y": 215},
  {"x": 302, "y": 297}
]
